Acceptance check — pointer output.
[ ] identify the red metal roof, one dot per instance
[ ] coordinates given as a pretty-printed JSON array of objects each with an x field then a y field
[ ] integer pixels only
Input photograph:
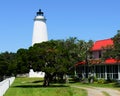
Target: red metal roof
[
  {"x": 110, "y": 61},
  {"x": 98, "y": 45},
  {"x": 80, "y": 63},
  {"x": 107, "y": 61}
]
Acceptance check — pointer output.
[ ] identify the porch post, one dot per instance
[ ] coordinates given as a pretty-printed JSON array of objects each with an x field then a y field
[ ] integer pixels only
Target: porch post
[
  {"x": 118, "y": 71},
  {"x": 84, "y": 71},
  {"x": 112, "y": 70},
  {"x": 100, "y": 71},
  {"x": 105, "y": 72},
  {"x": 94, "y": 71}
]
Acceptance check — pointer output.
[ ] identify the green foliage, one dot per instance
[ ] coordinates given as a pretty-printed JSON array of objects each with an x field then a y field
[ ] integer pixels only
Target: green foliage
[
  {"x": 54, "y": 57},
  {"x": 7, "y": 64},
  {"x": 116, "y": 40},
  {"x": 101, "y": 81},
  {"x": 108, "y": 52},
  {"x": 113, "y": 51},
  {"x": 22, "y": 61}
]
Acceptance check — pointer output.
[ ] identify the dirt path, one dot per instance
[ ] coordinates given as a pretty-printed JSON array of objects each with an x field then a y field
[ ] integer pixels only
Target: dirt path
[{"x": 96, "y": 91}]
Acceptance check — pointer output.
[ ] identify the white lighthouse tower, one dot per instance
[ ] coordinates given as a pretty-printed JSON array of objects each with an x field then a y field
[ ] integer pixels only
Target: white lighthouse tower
[
  {"x": 40, "y": 29},
  {"x": 39, "y": 35}
]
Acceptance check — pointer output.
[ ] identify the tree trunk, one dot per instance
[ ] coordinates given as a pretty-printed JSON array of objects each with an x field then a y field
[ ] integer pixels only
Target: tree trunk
[
  {"x": 1, "y": 78},
  {"x": 46, "y": 80}
]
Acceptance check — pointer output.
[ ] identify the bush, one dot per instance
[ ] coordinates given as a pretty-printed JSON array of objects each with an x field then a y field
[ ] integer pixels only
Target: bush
[
  {"x": 102, "y": 81},
  {"x": 76, "y": 79},
  {"x": 1, "y": 78},
  {"x": 117, "y": 84}
]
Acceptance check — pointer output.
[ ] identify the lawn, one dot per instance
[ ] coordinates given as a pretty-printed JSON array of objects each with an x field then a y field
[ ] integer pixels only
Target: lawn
[
  {"x": 113, "y": 85},
  {"x": 33, "y": 87}
]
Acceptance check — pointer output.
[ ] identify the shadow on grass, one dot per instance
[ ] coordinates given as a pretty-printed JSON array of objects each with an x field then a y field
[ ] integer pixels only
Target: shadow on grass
[
  {"x": 39, "y": 86},
  {"x": 38, "y": 81},
  {"x": 72, "y": 82},
  {"x": 117, "y": 85}
]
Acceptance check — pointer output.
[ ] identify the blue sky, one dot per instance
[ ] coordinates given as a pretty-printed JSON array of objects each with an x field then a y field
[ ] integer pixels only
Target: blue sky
[{"x": 84, "y": 19}]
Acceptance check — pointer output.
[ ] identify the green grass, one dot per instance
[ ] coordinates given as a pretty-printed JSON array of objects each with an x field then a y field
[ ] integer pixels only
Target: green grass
[
  {"x": 111, "y": 85},
  {"x": 105, "y": 93},
  {"x": 95, "y": 84},
  {"x": 33, "y": 87}
]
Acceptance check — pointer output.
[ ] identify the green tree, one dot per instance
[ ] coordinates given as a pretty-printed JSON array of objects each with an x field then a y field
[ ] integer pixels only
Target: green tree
[
  {"x": 113, "y": 51},
  {"x": 42, "y": 57},
  {"x": 22, "y": 61},
  {"x": 116, "y": 48},
  {"x": 53, "y": 57},
  {"x": 7, "y": 64}
]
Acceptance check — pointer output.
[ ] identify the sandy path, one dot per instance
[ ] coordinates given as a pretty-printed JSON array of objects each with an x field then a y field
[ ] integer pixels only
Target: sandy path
[
  {"x": 111, "y": 92},
  {"x": 96, "y": 91}
]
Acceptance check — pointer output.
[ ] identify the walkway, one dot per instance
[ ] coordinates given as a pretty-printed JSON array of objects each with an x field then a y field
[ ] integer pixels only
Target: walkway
[{"x": 97, "y": 91}]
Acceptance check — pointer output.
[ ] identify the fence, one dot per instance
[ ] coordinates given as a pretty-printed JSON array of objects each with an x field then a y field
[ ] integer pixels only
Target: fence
[{"x": 5, "y": 84}]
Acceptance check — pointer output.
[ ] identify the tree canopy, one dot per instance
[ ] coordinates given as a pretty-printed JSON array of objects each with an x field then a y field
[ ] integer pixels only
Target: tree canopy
[{"x": 54, "y": 57}]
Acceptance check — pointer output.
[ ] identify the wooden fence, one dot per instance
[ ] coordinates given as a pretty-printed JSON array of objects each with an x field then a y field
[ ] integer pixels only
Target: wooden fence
[{"x": 5, "y": 84}]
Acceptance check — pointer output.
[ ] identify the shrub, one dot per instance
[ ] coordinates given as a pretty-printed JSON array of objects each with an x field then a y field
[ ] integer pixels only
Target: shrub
[{"x": 102, "y": 81}]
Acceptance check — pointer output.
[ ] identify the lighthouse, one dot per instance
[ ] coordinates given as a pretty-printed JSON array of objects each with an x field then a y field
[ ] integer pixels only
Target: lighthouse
[{"x": 39, "y": 29}]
